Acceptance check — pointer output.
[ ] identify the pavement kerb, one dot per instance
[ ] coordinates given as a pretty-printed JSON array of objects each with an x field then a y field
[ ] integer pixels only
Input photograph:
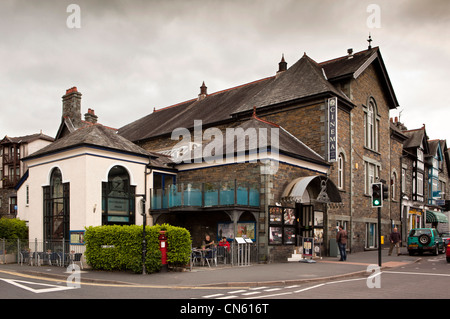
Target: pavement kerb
[
  {"x": 287, "y": 282},
  {"x": 361, "y": 273},
  {"x": 64, "y": 278}
]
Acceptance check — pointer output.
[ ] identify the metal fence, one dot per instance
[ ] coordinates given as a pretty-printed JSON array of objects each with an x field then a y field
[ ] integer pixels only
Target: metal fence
[
  {"x": 62, "y": 253},
  {"x": 38, "y": 253},
  {"x": 238, "y": 255}
]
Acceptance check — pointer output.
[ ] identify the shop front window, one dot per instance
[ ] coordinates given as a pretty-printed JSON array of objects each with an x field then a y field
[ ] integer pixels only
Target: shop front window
[{"x": 118, "y": 198}]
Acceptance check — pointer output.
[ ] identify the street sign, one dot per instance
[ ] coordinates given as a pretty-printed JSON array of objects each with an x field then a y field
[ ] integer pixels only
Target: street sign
[{"x": 308, "y": 245}]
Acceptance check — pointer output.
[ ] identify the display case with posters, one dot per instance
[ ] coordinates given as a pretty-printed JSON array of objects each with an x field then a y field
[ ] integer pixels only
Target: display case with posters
[
  {"x": 275, "y": 235},
  {"x": 282, "y": 225},
  {"x": 245, "y": 229},
  {"x": 289, "y": 236},
  {"x": 289, "y": 216},
  {"x": 275, "y": 214}
]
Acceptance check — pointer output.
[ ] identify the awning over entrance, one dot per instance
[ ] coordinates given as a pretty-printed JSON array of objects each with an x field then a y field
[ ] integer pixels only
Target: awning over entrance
[
  {"x": 311, "y": 188},
  {"x": 436, "y": 217}
]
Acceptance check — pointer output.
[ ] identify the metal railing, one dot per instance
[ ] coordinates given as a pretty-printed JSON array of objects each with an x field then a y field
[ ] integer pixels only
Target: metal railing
[
  {"x": 38, "y": 253},
  {"x": 237, "y": 256},
  {"x": 205, "y": 194}
]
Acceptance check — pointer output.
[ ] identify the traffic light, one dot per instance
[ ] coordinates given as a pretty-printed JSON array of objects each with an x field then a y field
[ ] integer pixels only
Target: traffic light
[
  {"x": 385, "y": 192},
  {"x": 377, "y": 195}
]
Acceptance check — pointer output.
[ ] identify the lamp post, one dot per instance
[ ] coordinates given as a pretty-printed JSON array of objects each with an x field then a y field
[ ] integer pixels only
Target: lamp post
[{"x": 144, "y": 241}]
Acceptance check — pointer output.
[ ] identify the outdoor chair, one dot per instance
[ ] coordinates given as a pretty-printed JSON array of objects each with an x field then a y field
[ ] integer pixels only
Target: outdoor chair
[
  {"x": 196, "y": 257},
  {"x": 77, "y": 258},
  {"x": 222, "y": 254},
  {"x": 24, "y": 257},
  {"x": 42, "y": 258},
  {"x": 211, "y": 256},
  {"x": 55, "y": 258}
]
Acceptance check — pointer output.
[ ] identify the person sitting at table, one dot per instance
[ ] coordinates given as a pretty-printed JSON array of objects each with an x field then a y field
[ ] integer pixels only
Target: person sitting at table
[
  {"x": 224, "y": 243},
  {"x": 207, "y": 242}
]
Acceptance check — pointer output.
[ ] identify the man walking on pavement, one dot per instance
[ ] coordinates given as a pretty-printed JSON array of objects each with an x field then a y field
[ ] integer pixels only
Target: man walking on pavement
[
  {"x": 341, "y": 239},
  {"x": 395, "y": 239}
]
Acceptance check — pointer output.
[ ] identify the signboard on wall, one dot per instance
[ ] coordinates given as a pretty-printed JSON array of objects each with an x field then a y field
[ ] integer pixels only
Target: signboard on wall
[
  {"x": 332, "y": 129},
  {"x": 77, "y": 237}
]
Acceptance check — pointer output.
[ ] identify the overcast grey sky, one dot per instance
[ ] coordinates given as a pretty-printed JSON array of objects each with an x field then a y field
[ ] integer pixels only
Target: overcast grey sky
[{"x": 129, "y": 57}]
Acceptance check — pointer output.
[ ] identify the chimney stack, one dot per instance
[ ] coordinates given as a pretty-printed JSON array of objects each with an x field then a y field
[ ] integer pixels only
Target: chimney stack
[
  {"x": 72, "y": 106},
  {"x": 90, "y": 116},
  {"x": 203, "y": 92}
]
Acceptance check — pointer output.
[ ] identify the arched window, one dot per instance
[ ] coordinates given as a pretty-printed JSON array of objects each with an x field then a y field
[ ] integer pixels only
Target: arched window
[
  {"x": 371, "y": 124},
  {"x": 56, "y": 208},
  {"x": 118, "y": 202}
]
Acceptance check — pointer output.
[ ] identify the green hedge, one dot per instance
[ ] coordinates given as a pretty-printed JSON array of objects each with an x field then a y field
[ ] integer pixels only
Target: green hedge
[
  {"x": 120, "y": 247},
  {"x": 13, "y": 228}
]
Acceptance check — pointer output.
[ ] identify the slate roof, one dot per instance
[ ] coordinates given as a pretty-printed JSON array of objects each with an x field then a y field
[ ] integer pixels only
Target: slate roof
[
  {"x": 26, "y": 138},
  {"x": 415, "y": 137},
  {"x": 95, "y": 135},
  {"x": 347, "y": 66},
  {"x": 304, "y": 79},
  {"x": 351, "y": 66},
  {"x": 287, "y": 143},
  {"x": 215, "y": 108}
]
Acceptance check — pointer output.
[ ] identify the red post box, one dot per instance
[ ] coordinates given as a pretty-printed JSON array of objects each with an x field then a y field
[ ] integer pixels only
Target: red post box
[{"x": 163, "y": 246}]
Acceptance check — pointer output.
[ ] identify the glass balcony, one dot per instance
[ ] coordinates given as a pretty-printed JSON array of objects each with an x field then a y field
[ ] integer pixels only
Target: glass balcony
[{"x": 205, "y": 195}]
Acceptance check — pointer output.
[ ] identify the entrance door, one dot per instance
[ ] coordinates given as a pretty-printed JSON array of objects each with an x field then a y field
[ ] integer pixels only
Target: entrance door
[{"x": 306, "y": 220}]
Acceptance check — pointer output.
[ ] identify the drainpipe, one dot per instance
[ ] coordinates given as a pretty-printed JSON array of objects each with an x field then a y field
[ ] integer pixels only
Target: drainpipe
[{"x": 351, "y": 182}]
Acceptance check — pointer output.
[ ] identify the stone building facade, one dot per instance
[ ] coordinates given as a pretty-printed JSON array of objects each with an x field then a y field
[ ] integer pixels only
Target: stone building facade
[
  {"x": 297, "y": 99},
  {"x": 277, "y": 160}
]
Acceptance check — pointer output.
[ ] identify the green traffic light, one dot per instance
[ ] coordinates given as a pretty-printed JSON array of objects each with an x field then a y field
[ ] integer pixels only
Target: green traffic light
[{"x": 376, "y": 202}]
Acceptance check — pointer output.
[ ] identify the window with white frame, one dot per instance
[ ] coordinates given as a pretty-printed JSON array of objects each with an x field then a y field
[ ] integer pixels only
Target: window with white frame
[
  {"x": 372, "y": 172},
  {"x": 371, "y": 124},
  {"x": 393, "y": 185},
  {"x": 419, "y": 184},
  {"x": 403, "y": 180}
]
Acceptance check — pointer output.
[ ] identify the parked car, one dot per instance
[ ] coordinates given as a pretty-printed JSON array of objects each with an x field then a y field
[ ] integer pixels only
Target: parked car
[
  {"x": 425, "y": 239},
  {"x": 448, "y": 253},
  {"x": 445, "y": 237}
]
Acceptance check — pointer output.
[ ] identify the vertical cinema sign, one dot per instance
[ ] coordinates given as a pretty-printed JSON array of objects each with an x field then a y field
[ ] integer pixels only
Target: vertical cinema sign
[{"x": 332, "y": 129}]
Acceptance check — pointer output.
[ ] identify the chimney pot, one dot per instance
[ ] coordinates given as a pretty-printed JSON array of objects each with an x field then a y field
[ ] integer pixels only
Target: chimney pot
[
  {"x": 71, "y": 90},
  {"x": 90, "y": 116}
]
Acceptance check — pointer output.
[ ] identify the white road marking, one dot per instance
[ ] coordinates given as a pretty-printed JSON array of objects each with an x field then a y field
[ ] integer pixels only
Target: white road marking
[{"x": 23, "y": 284}]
